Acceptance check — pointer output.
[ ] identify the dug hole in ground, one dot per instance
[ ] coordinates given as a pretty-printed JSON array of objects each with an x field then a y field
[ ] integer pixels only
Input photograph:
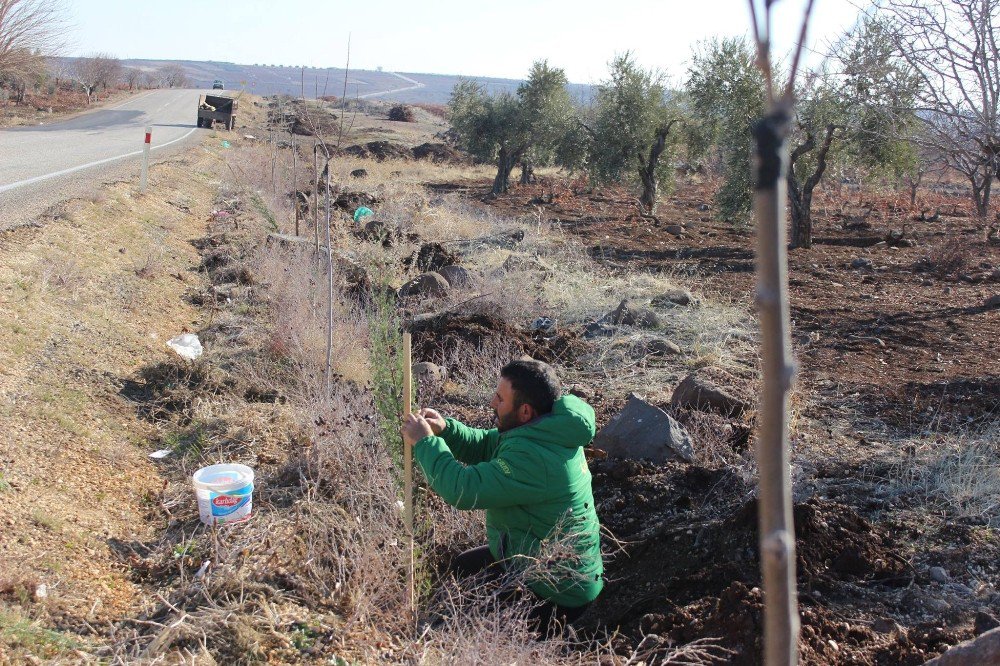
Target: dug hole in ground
[{"x": 105, "y": 557}]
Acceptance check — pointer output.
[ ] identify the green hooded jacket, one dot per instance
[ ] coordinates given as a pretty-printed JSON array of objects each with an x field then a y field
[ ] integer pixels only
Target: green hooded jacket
[{"x": 534, "y": 484}]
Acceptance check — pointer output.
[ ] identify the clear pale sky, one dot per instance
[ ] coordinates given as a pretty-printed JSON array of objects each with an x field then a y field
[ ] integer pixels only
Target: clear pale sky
[{"x": 467, "y": 37}]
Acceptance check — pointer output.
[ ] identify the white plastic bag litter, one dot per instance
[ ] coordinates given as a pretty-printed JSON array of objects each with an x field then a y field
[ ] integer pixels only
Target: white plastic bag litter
[{"x": 187, "y": 345}]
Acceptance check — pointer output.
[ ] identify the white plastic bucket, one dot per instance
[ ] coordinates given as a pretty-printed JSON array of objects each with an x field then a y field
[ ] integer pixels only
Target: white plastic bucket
[{"x": 225, "y": 493}]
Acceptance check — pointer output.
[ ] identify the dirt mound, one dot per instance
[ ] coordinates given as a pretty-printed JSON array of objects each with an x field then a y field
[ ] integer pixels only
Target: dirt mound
[
  {"x": 708, "y": 586},
  {"x": 379, "y": 151},
  {"x": 431, "y": 257},
  {"x": 171, "y": 388},
  {"x": 834, "y": 542},
  {"x": 351, "y": 201},
  {"x": 438, "y": 338},
  {"x": 437, "y": 152}
]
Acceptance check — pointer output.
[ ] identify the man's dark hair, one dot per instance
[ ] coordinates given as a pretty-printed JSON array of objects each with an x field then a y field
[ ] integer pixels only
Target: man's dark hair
[{"x": 534, "y": 383}]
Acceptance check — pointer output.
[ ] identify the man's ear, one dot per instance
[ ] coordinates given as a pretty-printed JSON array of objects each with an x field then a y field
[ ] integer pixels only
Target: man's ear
[{"x": 525, "y": 413}]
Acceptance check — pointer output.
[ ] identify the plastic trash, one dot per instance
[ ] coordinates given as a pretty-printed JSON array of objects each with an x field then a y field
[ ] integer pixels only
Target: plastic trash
[
  {"x": 225, "y": 493},
  {"x": 187, "y": 346},
  {"x": 543, "y": 324},
  {"x": 225, "y": 144},
  {"x": 361, "y": 212}
]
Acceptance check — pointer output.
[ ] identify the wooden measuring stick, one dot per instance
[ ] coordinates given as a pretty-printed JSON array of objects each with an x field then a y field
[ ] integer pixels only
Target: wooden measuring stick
[{"x": 408, "y": 464}]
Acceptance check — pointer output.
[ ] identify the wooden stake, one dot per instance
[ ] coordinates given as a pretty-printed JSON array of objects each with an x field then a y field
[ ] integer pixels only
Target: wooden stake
[
  {"x": 777, "y": 533},
  {"x": 295, "y": 182},
  {"x": 408, "y": 466},
  {"x": 316, "y": 196}
]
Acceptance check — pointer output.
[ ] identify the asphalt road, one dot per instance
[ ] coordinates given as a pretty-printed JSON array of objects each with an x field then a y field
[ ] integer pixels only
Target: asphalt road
[{"x": 45, "y": 164}]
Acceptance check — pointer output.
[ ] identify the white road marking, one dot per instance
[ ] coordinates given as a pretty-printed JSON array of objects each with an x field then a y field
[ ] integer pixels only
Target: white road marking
[{"x": 55, "y": 174}]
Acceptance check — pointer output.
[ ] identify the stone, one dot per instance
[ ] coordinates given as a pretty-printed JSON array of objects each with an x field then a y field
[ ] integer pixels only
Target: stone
[
  {"x": 359, "y": 173},
  {"x": 653, "y": 346},
  {"x": 378, "y": 231},
  {"x": 627, "y": 314},
  {"x": 704, "y": 208},
  {"x": 861, "y": 262},
  {"x": 983, "y": 649},
  {"x": 674, "y": 229},
  {"x": 456, "y": 276},
  {"x": 985, "y": 621},
  {"x": 426, "y": 371},
  {"x": 599, "y": 329},
  {"x": 674, "y": 297},
  {"x": 643, "y": 431},
  {"x": 886, "y": 625},
  {"x": 960, "y": 589},
  {"x": 544, "y": 325},
  {"x": 937, "y": 605},
  {"x": 426, "y": 284},
  {"x": 527, "y": 263},
  {"x": 992, "y": 302},
  {"x": 433, "y": 257},
  {"x": 698, "y": 392},
  {"x": 939, "y": 575}
]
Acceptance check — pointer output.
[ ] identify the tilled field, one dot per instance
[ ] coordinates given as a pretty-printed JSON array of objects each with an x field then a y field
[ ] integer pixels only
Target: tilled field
[{"x": 896, "y": 345}]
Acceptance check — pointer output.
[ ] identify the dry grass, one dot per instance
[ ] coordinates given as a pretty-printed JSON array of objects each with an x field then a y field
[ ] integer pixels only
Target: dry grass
[
  {"x": 956, "y": 471},
  {"x": 319, "y": 572},
  {"x": 946, "y": 258},
  {"x": 78, "y": 318}
]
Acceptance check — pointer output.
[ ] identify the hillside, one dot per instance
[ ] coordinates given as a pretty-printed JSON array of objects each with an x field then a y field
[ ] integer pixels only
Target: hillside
[{"x": 397, "y": 86}]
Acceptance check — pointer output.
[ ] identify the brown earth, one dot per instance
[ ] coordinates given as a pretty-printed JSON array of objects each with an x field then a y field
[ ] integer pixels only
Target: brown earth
[
  {"x": 40, "y": 109},
  {"x": 886, "y": 351}
]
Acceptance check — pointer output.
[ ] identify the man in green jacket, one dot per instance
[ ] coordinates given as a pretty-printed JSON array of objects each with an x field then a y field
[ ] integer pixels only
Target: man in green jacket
[{"x": 530, "y": 475}]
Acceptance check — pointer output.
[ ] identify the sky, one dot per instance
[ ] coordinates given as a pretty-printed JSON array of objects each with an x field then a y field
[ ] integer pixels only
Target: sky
[{"x": 466, "y": 37}]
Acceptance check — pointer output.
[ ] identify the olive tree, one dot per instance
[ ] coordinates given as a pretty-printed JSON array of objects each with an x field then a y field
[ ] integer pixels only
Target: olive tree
[
  {"x": 632, "y": 137},
  {"x": 726, "y": 90},
  {"x": 508, "y": 129},
  {"x": 858, "y": 110}
]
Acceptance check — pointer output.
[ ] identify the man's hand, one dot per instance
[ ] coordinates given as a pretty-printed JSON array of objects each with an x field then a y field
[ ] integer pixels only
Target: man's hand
[
  {"x": 415, "y": 428},
  {"x": 434, "y": 419}
]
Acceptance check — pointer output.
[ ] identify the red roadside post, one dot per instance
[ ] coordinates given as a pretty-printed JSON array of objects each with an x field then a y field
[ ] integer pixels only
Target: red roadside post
[{"x": 144, "y": 178}]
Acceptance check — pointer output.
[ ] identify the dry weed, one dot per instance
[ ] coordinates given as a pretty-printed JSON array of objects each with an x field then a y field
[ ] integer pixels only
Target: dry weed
[
  {"x": 149, "y": 267},
  {"x": 320, "y": 570},
  {"x": 955, "y": 470}
]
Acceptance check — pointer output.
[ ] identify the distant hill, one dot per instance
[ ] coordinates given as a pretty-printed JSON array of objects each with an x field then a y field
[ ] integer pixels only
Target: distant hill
[{"x": 395, "y": 86}]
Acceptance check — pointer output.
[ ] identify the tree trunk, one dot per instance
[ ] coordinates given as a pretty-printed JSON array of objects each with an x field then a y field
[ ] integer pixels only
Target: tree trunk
[
  {"x": 527, "y": 172},
  {"x": 505, "y": 164},
  {"x": 800, "y": 207},
  {"x": 800, "y": 198},
  {"x": 981, "y": 194},
  {"x": 914, "y": 184},
  {"x": 647, "y": 170},
  {"x": 648, "y": 197}
]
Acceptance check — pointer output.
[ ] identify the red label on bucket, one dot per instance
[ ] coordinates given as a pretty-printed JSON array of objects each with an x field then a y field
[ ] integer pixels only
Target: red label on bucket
[{"x": 226, "y": 500}]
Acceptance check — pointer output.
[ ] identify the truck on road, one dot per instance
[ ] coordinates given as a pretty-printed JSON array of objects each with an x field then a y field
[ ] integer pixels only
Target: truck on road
[{"x": 217, "y": 108}]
